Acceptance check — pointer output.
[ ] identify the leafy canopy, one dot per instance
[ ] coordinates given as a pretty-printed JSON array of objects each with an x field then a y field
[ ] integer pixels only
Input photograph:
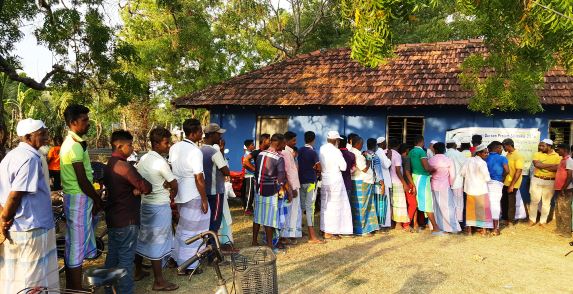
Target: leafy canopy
[{"x": 524, "y": 38}]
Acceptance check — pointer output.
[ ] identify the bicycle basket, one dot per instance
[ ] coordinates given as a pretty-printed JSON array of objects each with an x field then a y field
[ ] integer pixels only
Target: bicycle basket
[{"x": 255, "y": 271}]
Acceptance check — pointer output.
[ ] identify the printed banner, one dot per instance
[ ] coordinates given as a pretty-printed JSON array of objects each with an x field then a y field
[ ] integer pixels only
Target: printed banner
[{"x": 526, "y": 140}]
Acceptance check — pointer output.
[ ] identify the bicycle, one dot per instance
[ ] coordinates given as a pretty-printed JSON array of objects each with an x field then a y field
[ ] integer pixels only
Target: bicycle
[
  {"x": 96, "y": 277},
  {"x": 211, "y": 248}
]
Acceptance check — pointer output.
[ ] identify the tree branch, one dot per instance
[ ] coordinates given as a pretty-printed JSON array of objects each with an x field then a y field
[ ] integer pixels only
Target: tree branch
[{"x": 10, "y": 71}]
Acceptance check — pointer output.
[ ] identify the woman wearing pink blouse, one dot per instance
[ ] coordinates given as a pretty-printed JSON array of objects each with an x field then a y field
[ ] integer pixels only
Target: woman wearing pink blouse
[{"x": 443, "y": 176}]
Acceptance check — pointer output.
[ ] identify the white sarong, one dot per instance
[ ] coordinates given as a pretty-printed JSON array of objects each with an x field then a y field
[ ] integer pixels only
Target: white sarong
[
  {"x": 293, "y": 225},
  {"x": 495, "y": 189},
  {"x": 192, "y": 222},
  {"x": 30, "y": 261},
  {"x": 519, "y": 207},
  {"x": 226, "y": 231},
  {"x": 335, "y": 212}
]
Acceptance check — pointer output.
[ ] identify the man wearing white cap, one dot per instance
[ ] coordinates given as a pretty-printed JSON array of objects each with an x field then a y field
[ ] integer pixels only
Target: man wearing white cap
[
  {"x": 458, "y": 185},
  {"x": 335, "y": 212},
  {"x": 430, "y": 152},
  {"x": 543, "y": 181},
  {"x": 478, "y": 205},
  {"x": 29, "y": 254}
]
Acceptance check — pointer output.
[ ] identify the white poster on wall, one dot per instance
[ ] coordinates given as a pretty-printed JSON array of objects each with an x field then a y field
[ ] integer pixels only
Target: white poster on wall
[{"x": 525, "y": 139}]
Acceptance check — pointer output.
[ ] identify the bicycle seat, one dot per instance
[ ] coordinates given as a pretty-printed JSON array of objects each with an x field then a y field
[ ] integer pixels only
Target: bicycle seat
[{"x": 99, "y": 277}]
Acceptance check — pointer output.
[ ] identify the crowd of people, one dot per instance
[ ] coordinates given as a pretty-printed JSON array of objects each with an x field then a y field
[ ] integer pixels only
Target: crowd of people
[{"x": 365, "y": 186}]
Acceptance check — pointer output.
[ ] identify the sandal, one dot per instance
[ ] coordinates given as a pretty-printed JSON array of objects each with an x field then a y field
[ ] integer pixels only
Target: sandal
[
  {"x": 169, "y": 287},
  {"x": 316, "y": 241}
]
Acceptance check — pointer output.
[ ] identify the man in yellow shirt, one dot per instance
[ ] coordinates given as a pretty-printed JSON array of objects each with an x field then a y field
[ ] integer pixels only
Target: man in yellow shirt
[
  {"x": 512, "y": 182},
  {"x": 543, "y": 181}
]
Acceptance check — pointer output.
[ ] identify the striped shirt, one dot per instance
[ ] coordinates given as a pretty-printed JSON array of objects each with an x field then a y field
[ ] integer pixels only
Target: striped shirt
[{"x": 270, "y": 172}]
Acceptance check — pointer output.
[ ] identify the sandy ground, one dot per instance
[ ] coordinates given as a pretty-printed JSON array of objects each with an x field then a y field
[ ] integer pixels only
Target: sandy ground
[{"x": 521, "y": 260}]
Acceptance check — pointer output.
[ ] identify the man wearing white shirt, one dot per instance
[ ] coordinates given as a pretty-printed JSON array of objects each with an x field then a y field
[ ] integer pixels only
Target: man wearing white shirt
[
  {"x": 155, "y": 238},
  {"x": 335, "y": 213},
  {"x": 430, "y": 152},
  {"x": 459, "y": 160},
  {"x": 384, "y": 175},
  {"x": 362, "y": 200},
  {"x": 187, "y": 163}
]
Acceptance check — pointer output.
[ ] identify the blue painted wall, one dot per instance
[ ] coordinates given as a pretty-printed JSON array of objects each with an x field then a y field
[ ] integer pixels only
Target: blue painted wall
[{"x": 371, "y": 123}]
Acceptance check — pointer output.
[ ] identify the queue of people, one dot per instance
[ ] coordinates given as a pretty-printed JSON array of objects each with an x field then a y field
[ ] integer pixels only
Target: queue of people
[
  {"x": 368, "y": 188},
  {"x": 364, "y": 186},
  {"x": 138, "y": 203}
]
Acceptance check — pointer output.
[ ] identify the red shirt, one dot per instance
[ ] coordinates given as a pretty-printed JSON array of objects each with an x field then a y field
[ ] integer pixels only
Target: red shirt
[
  {"x": 54, "y": 158},
  {"x": 561, "y": 174}
]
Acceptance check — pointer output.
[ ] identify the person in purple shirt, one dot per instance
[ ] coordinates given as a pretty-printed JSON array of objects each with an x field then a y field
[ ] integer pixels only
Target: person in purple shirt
[
  {"x": 308, "y": 166},
  {"x": 498, "y": 168},
  {"x": 350, "y": 159}
]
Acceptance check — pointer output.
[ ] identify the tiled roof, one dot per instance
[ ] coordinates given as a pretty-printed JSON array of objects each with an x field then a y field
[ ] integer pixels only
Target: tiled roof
[{"x": 418, "y": 74}]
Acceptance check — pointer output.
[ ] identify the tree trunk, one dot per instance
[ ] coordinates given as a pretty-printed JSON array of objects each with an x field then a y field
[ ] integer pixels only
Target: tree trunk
[{"x": 3, "y": 130}]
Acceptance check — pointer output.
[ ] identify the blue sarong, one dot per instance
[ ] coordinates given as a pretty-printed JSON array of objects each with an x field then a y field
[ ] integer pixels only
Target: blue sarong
[
  {"x": 363, "y": 206},
  {"x": 155, "y": 240}
]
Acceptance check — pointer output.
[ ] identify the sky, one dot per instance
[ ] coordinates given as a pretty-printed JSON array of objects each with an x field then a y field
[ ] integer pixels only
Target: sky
[{"x": 36, "y": 59}]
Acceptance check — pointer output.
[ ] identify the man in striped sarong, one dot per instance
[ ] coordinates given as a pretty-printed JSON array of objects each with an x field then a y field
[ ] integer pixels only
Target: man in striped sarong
[
  {"x": 476, "y": 175},
  {"x": 187, "y": 164},
  {"x": 28, "y": 257},
  {"x": 271, "y": 183},
  {"x": 399, "y": 204},
  {"x": 421, "y": 176},
  {"x": 443, "y": 198},
  {"x": 81, "y": 201},
  {"x": 362, "y": 200},
  {"x": 293, "y": 217}
]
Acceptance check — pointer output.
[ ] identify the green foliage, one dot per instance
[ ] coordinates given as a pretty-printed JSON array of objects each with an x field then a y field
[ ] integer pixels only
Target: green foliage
[{"x": 524, "y": 39}]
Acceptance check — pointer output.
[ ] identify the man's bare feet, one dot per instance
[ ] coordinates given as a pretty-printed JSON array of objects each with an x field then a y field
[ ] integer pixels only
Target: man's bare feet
[{"x": 531, "y": 224}]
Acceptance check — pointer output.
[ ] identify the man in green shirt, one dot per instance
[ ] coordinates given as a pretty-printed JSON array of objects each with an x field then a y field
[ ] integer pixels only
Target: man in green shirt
[
  {"x": 421, "y": 176},
  {"x": 81, "y": 201}
]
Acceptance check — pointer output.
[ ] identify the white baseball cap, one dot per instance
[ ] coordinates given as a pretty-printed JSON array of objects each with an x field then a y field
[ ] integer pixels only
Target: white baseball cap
[
  {"x": 28, "y": 126},
  {"x": 547, "y": 141},
  {"x": 433, "y": 142},
  {"x": 380, "y": 140},
  {"x": 333, "y": 135},
  {"x": 481, "y": 147}
]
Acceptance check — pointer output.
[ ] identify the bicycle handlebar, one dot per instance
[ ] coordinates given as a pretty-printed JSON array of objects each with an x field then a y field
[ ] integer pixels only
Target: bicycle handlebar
[
  {"x": 199, "y": 255},
  {"x": 216, "y": 249}
]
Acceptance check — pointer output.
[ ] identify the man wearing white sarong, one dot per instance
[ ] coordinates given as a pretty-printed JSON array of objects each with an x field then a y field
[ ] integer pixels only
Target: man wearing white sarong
[
  {"x": 384, "y": 174},
  {"x": 498, "y": 169},
  {"x": 335, "y": 213},
  {"x": 293, "y": 225},
  {"x": 28, "y": 257},
  {"x": 458, "y": 186},
  {"x": 187, "y": 163}
]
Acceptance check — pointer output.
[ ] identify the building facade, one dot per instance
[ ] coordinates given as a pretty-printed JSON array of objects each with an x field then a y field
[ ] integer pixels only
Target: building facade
[{"x": 416, "y": 93}]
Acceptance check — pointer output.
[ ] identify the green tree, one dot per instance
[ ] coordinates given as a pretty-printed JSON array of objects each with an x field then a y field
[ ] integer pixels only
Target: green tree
[{"x": 524, "y": 39}]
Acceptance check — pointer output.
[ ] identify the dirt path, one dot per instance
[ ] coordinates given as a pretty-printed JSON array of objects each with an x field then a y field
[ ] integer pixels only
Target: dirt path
[{"x": 521, "y": 260}]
